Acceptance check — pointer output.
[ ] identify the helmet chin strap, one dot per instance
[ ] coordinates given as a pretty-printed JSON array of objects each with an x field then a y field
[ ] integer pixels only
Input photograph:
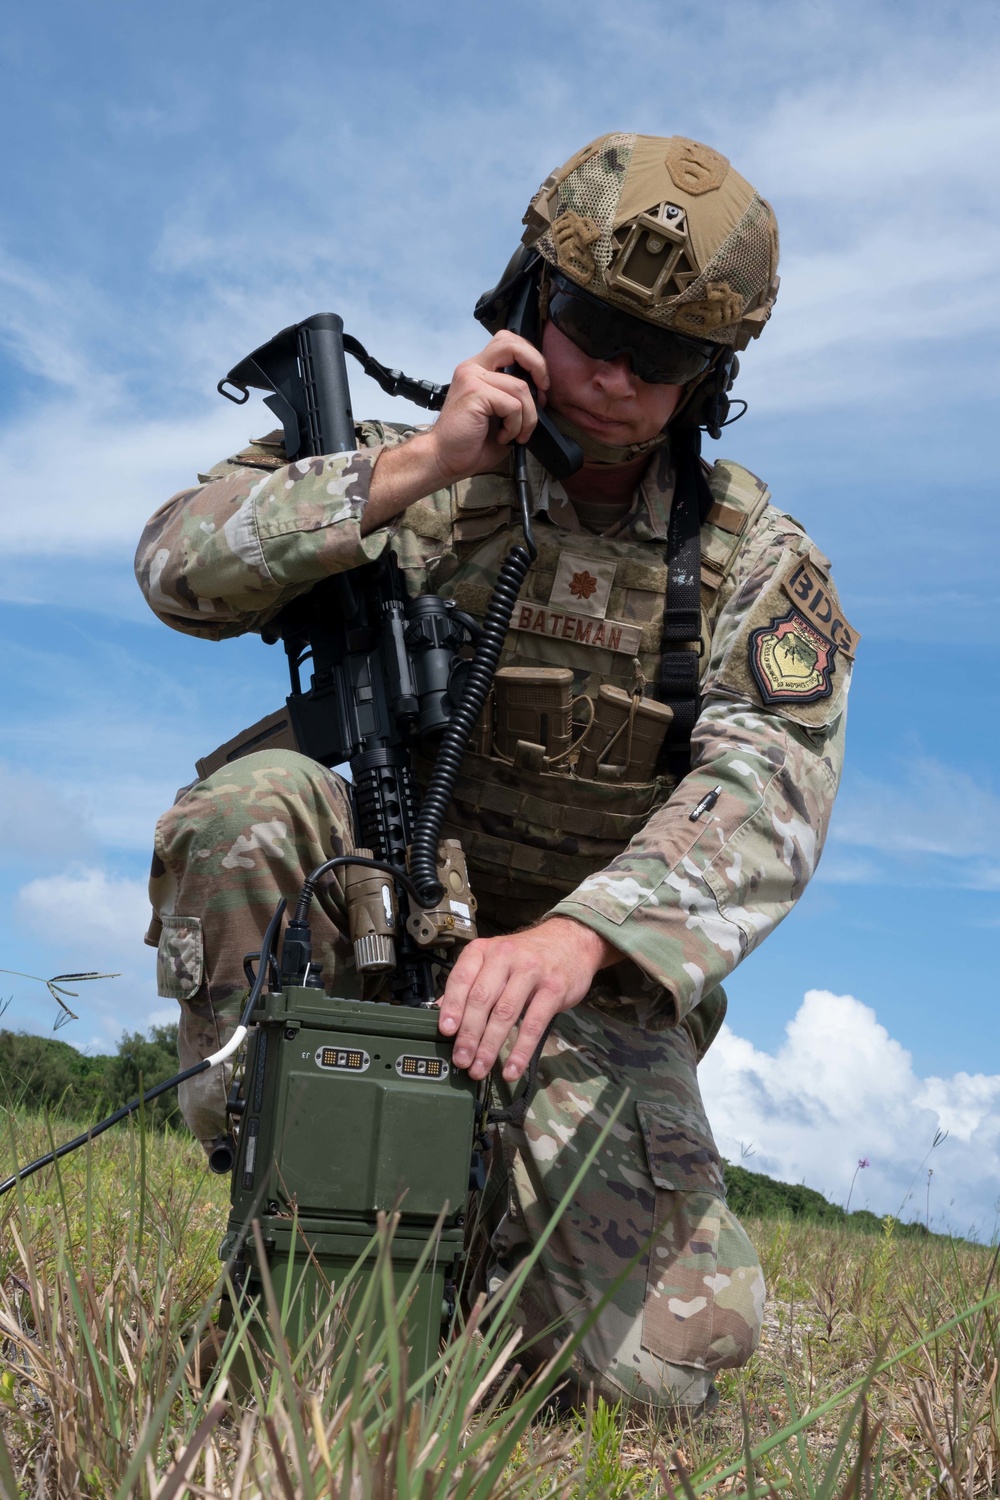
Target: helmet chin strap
[{"x": 594, "y": 451}]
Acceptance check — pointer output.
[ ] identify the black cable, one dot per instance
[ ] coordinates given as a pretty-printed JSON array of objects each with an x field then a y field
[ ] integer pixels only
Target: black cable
[
  {"x": 264, "y": 966},
  {"x": 309, "y": 884},
  {"x": 171, "y": 1083},
  {"x": 119, "y": 1114},
  {"x": 448, "y": 760},
  {"x": 514, "y": 1112}
]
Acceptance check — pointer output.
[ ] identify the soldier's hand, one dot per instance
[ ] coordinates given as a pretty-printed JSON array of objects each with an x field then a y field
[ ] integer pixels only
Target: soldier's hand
[
  {"x": 526, "y": 978},
  {"x": 484, "y": 412},
  {"x": 486, "y": 409}
]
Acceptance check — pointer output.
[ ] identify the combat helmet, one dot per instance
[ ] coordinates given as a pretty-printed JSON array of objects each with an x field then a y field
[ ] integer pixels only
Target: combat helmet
[{"x": 662, "y": 228}]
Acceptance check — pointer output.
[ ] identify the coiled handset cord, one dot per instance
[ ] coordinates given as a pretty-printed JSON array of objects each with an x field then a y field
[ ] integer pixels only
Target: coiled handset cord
[{"x": 448, "y": 761}]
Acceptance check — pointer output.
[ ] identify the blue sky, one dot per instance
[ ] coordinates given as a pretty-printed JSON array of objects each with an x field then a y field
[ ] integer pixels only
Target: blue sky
[{"x": 186, "y": 181}]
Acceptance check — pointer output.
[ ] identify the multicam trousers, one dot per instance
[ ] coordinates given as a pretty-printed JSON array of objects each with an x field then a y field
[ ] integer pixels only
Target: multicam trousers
[{"x": 647, "y": 1229}]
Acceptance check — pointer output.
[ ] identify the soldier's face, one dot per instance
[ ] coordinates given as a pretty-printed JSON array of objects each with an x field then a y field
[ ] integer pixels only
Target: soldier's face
[{"x": 604, "y": 396}]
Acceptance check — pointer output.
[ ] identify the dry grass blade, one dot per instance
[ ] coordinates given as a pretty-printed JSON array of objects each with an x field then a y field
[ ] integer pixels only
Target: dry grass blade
[
  {"x": 179, "y": 1473},
  {"x": 857, "y": 1483},
  {"x": 682, "y": 1476},
  {"x": 244, "y": 1455},
  {"x": 280, "y": 1467}
]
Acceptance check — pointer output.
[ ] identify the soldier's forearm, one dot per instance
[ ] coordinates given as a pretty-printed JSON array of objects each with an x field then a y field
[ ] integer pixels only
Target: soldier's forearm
[
  {"x": 594, "y": 949},
  {"x": 402, "y": 476},
  {"x": 687, "y": 900}
]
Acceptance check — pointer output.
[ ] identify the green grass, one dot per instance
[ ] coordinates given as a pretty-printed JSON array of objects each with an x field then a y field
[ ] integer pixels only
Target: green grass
[{"x": 877, "y": 1374}]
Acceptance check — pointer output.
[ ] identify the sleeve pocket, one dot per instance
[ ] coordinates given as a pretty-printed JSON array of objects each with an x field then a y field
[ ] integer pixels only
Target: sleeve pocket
[{"x": 180, "y": 958}]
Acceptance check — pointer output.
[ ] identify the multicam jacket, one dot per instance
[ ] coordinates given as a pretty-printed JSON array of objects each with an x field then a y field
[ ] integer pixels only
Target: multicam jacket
[{"x": 684, "y": 879}]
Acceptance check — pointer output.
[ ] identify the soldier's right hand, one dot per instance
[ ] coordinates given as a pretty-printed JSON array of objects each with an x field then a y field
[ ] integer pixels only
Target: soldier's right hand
[{"x": 485, "y": 411}]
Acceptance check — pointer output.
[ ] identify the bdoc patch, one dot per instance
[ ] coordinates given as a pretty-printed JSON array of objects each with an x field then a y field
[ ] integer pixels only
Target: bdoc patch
[{"x": 791, "y": 661}]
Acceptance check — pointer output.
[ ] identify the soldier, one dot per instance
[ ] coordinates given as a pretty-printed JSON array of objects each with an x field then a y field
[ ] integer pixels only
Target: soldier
[{"x": 615, "y": 904}]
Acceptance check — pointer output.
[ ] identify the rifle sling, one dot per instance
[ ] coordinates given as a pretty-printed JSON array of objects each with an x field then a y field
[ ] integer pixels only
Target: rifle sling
[{"x": 681, "y": 638}]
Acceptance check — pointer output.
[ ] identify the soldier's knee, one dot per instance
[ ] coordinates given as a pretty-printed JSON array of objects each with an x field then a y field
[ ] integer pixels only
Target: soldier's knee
[
  {"x": 611, "y": 1359},
  {"x": 694, "y": 1305},
  {"x": 672, "y": 1391},
  {"x": 740, "y": 1305},
  {"x": 704, "y": 1295},
  {"x": 266, "y": 808}
]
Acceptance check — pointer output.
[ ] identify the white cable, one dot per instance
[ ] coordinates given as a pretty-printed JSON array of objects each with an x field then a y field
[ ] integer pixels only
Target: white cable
[{"x": 228, "y": 1049}]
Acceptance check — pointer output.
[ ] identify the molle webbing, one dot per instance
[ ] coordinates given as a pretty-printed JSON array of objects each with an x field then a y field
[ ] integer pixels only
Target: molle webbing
[
  {"x": 532, "y": 836},
  {"x": 678, "y": 680}
]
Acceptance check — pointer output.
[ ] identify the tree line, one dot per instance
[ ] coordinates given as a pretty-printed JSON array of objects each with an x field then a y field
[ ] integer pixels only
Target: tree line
[
  {"x": 44, "y": 1075},
  {"x": 752, "y": 1195}
]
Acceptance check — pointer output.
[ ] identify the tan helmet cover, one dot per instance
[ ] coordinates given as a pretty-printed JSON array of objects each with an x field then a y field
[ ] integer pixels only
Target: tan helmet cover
[{"x": 664, "y": 228}]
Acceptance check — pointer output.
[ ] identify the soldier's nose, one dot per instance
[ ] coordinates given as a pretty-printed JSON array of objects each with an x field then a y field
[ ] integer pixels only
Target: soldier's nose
[{"x": 615, "y": 376}]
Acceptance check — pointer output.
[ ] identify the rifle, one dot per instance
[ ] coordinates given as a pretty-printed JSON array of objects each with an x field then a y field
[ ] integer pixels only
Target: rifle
[
  {"x": 345, "y": 1105},
  {"x": 348, "y": 1109}
]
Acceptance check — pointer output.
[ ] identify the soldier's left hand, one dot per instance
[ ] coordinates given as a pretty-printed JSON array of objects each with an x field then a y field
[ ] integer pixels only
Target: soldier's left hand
[{"x": 526, "y": 977}]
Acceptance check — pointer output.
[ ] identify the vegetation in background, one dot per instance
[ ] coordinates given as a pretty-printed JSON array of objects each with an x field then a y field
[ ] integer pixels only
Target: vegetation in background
[
  {"x": 752, "y": 1195},
  {"x": 44, "y": 1075}
]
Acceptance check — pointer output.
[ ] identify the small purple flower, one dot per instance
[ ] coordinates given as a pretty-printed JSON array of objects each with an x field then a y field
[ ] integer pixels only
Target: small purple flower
[{"x": 862, "y": 1163}]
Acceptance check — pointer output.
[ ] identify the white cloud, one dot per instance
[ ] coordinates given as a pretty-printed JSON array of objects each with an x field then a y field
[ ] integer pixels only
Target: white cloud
[
  {"x": 99, "y": 916},
  {"x": 86, "y": 482},
  {"x": 932, "y": 824},
  {"x": 88, "y": 918},
  {"x": 838, "y": 868},
  {"x": 886, "y": 186},
  {"x": 880, "y": 164},
  {"x": 39, "y": 318},
  {"x": 929, "y": 808},
  {"x": 840, "y": 1088},
  {"x": 166, "y": 1015}
]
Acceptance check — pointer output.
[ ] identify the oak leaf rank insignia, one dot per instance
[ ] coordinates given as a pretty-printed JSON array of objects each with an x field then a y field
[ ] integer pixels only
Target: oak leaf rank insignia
[
  {"x": 791, "y": 661},
  {"x": 582, "y": 585}
]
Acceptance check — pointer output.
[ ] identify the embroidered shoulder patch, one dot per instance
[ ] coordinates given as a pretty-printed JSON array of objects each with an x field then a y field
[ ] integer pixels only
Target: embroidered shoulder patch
[{"x": 791, "y": 661}]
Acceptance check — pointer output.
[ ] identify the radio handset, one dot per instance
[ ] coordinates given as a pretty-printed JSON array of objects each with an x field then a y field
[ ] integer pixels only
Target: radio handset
[{"x": 557, "y": 453}]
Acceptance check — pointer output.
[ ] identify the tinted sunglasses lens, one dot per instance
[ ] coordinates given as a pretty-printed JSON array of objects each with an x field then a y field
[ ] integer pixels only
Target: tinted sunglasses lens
[{"x": 658, "y": 356}]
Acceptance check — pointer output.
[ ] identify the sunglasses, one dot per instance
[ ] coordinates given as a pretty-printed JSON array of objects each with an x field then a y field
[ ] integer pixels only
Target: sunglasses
[{"x": 658, "y": 356}]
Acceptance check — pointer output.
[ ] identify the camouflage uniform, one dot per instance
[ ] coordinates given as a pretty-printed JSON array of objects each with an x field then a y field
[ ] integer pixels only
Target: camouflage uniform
[{"x": 683, "y": 899}]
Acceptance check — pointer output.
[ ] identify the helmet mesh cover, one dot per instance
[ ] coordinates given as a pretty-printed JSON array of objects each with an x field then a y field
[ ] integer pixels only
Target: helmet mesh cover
[{"x": 576, "y": 222}]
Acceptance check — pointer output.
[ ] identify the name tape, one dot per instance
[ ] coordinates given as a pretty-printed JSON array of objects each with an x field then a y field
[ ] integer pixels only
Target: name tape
[{"x": 610, "y": 635}]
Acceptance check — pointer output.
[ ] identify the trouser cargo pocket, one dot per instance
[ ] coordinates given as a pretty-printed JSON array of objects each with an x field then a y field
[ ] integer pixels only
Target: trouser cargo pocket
[
  {"x": 704, "y": 1288},
  {"x": 180, "y": 958}
]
